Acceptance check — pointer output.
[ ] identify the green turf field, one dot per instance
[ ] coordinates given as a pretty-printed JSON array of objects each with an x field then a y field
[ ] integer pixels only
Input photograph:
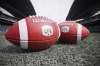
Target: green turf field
[
  {"x": 3, "y": 41},
  {"x": 85, "y": 53}
]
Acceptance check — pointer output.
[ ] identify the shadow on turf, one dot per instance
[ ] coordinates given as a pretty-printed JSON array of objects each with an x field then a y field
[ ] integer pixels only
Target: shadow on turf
[
  {"x": 13, "y": 49},
  {"x": 68, "y": 43}
]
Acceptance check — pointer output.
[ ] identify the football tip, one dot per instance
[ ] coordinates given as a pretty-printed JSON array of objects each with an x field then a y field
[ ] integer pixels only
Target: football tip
[{"x": 86, "y": 32}]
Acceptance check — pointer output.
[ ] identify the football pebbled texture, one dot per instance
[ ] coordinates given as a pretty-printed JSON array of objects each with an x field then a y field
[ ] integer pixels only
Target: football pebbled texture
[
  {"x": 33, "y": 32},
  {"x": 72, "y": 32}
]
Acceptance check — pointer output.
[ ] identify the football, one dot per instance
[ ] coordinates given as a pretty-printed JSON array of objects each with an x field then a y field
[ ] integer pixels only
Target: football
[
  {"x": 72, "y": 32},
  {"x": 33, "y": 32}
]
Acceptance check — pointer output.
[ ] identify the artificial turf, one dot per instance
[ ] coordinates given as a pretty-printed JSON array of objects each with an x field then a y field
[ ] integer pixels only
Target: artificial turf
[{"x": 85, "y": 53}]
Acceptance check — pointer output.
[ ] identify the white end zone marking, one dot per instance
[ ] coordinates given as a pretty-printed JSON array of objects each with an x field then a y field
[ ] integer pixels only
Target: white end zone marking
[{"x": 23, "y": 34}]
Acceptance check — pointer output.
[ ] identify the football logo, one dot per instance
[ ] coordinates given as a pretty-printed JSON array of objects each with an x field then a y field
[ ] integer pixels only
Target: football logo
[
  {"x": 65, "y": 29},
  {"x": 47, "y": 30}
]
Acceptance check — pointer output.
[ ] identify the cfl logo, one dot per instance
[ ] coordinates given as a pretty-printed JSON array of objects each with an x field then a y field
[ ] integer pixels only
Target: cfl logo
[
  {"x": 47, "y": 30},
  {"x": 65, "y": 29}
]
